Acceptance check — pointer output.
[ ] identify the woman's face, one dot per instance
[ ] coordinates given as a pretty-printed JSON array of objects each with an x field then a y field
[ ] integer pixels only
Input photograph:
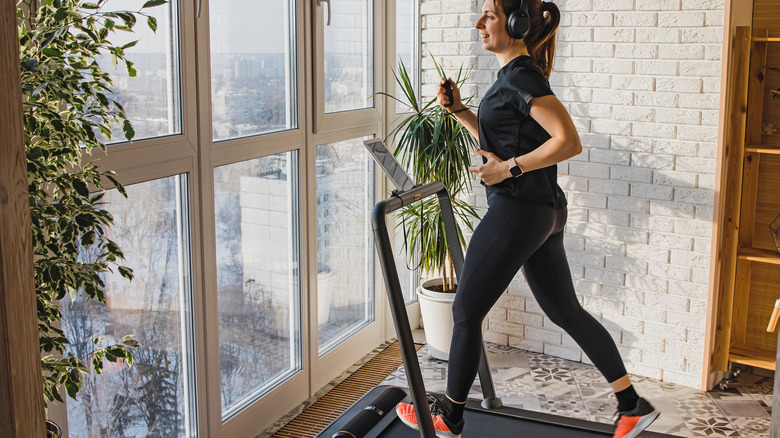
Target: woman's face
[{"x": 492, "y": 28}]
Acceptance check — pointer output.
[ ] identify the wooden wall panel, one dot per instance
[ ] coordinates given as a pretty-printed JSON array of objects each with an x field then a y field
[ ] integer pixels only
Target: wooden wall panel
[
  {"x": 767, "y": 200},
  {"x": 771, "y": 105},
  {"x": 741, "y": 302},
  {"x": 21, "y": 391},
  {"x": 763, "y": 293},
  {"x": 766, "y": 13}
]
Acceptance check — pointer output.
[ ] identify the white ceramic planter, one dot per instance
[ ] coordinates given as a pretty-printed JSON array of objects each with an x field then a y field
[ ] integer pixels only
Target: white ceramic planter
[
  {"x": 325, "y": 286},
  {"x": 436, "y": 311}
]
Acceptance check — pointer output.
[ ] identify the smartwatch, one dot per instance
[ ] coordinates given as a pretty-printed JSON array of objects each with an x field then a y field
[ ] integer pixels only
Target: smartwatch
[{"x": 515, "y": 170}]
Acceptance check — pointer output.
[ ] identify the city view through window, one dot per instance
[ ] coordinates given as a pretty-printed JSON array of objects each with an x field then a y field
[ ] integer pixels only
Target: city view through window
[{"x": 254, "y": 86}]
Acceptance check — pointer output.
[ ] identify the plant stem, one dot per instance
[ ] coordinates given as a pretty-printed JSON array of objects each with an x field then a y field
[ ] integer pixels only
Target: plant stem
[{"x": 452, "y": 271}]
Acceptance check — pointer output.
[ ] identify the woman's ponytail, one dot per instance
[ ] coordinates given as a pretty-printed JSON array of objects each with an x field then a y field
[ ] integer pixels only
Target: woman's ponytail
[{"x": 545, "y": 18}]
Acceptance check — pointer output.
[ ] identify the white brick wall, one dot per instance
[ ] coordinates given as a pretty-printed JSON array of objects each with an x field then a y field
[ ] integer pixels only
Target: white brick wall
[{"x": 641, "y": 79}]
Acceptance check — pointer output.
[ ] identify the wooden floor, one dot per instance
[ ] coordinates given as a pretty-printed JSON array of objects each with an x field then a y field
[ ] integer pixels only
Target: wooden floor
[{"x": 320, "y": 414}]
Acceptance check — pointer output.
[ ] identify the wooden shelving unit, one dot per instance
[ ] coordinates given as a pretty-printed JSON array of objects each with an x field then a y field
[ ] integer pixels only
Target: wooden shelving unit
[
  {"x": 759, "y": 255},
  {"x": 750, "y": 280},
  {"x": 770, "y": 150},
  {"x": 756, "y": 358}
]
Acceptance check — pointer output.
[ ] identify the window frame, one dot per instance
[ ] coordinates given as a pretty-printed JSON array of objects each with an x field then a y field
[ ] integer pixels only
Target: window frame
[{"x": 194, "y": 153}]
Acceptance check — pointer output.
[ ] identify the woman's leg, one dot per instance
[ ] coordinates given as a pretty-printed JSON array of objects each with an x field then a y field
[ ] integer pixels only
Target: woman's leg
[
  {"x": 508, "y": 234},
  {"x": 548, "y": 275},
  {"x": 547, "y": 272}
]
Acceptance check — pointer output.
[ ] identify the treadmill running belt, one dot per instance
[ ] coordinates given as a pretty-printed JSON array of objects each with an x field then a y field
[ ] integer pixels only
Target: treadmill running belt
[
  {"x": 484, "y": 425},
  {"x": 480, "y": 423}
]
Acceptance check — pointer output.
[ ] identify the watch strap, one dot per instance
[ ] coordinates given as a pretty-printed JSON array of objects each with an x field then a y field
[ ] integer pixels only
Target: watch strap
[{"x": 515, "y": 170}]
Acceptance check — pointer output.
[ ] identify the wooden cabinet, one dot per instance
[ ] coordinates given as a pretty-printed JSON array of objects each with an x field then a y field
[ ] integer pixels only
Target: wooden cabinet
[{"x": 750, "y": 276}]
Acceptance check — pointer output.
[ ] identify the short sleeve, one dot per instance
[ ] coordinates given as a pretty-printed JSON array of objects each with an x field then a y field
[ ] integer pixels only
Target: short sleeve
[{"x": 525, "y": 84}]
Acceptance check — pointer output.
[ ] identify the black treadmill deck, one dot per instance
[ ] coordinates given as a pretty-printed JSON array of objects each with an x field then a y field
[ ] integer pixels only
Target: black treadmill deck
[{"x": 482, "y": 423}]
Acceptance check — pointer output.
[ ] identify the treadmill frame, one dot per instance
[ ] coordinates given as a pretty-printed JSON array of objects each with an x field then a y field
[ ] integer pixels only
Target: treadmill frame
[
  {"x": 398, "y": 307},
  {"x": 491, "y": 404}
]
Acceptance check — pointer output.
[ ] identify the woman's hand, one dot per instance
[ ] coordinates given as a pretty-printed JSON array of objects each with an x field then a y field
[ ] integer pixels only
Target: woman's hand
[
  {"x": 444, "y": 100},
  {"x": 494, "y": 171}
]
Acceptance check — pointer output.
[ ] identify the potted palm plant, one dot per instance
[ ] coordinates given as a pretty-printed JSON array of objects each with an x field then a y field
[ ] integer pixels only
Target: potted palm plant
[
  {"x": 434, "y": 146},
  {"x": 69, "y": 110}
]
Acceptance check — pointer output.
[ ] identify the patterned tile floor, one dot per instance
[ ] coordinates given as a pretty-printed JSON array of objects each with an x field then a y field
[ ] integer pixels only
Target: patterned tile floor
[{"x": 549, "y": 384}]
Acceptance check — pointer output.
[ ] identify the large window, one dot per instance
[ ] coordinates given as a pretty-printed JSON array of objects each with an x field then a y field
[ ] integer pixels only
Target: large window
[
  {"x": 407, "y": 48},
  {"x": 247, "y": 221},
  {"x": 154, "y": 397},
  {"x": 152, "y": 99},
  {"x": 257, "y": 276},
  {"x": 252, "y": 67},
  {"x": 349, "y": 55},
  {"x": 407, "y": 45},
  {"x": 345, "y": 196}
]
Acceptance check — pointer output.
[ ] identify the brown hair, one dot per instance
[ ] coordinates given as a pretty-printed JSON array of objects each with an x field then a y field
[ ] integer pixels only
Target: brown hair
[{"x": 541, "y": 37}]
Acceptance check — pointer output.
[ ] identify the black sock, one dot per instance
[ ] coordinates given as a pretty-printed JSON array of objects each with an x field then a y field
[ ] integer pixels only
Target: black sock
[
  {"x": 627, "y": 399},
  {"x": 453, "y": 411}
]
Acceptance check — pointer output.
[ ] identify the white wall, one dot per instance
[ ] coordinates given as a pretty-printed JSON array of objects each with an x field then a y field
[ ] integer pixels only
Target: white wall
[{"x": 641, "y": 79}]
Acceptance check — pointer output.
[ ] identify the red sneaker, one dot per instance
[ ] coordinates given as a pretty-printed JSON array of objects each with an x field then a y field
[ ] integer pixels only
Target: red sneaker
[
  {"x": 631, "y": 423},
  {"x": 443, "y": 426}
]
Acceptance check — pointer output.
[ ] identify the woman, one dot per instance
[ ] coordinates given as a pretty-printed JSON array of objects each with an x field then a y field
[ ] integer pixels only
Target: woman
[{"x": 524, "y": 131}]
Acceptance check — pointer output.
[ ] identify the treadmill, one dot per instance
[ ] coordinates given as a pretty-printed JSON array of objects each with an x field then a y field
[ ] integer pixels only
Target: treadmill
[{"x": 374, "y": 414}]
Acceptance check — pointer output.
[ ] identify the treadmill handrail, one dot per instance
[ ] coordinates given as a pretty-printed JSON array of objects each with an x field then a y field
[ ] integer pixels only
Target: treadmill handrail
[{"x": 396, "y": 300}]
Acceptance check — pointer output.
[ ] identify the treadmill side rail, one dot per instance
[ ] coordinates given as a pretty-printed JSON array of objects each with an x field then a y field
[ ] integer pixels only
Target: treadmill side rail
[{"x": 398, "y": 308}]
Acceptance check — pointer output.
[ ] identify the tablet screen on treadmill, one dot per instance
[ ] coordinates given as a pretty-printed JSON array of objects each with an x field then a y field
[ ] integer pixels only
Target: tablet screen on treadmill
[{"x": 389, "y": 164}]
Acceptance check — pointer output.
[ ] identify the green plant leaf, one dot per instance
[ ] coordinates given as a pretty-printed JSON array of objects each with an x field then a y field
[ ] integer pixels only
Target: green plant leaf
[
  {"x": 127, "y": 128},
  {"x": 54, "y": 273},
  {"x": 97, "y": 363},
  {"x": 81, "y": 187},
  {"x": 126, "y": 272},
  {"x": 30, "y": 65},
  {"x": 153, "y": 3},
  {"x": 152, "y": 23},
  {"x": 39, "y": 88},
  {"x": 73, "y": 382},
  {"x": 438, "y": 68},
  {"x": 128, "y": 18},
  {"x": 52, "y": 52},
  {"x": 87, "y": 239},
  {"x": 67, "y": 103},
  {"x": 435, "y": 147},
  {"x": 61, "y": 14},
  {"x": 130, "y": 69}
]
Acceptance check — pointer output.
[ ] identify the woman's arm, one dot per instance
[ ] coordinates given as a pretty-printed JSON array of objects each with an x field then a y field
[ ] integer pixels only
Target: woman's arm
[
  {"x": 563, "y": 144},
  {"x": 464, "y": 115}
]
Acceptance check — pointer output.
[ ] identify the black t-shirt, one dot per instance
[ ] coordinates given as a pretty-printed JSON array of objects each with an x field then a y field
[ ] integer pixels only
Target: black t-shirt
[{"x": 506, "y": 129}]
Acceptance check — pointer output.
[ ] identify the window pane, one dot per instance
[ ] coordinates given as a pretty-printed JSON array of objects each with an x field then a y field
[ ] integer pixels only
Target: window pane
[
  {"x": 406, "y": 45},
  {"x": 154, "y": 397},
  {"x": 152, "y": 99},
  {"x": 256, "y": 204},
  {"x": 252, "y": 67},
  {"x": 345, "y": 280},
  {"x": 349, "y": 55}
]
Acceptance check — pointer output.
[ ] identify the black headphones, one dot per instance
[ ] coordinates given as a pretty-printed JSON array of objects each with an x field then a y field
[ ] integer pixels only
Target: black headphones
[{"x": 518, "y": 23}]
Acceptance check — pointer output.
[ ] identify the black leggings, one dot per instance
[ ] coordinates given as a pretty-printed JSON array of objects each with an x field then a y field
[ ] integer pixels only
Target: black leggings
[{"x": 513, "y": 234}]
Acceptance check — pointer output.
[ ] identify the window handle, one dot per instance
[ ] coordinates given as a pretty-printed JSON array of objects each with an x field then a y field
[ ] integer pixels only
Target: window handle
[
  {"x": 320, "y": 2},
  {"x": 197, "y": 8}
]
